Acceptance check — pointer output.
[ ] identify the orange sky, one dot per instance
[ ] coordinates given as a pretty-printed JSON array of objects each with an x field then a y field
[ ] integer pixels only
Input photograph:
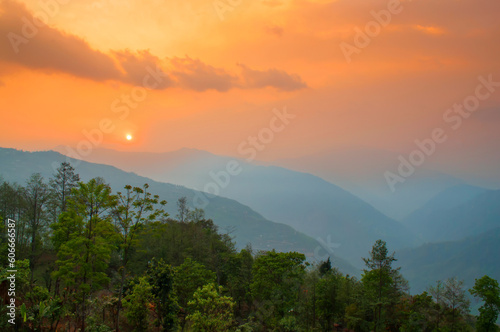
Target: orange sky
[{"x": 218, "y": 80}]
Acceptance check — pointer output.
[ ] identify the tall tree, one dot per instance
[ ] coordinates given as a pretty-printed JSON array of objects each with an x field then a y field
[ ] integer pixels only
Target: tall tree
[
  {"x": 161, "y": 278},
  {"x": 329, "y": 307},
  {"x": 210, "y": 310},
  {"x": 189, "y": 276},
  {"x": 437, "y": 293},
  {"x": 456, "y": 300},
  {"x": 488, "y": 291},
  {"x": 133, "y": 208},
  {"x": 183, "y": 210},
  {"x": 277, "y": 278},
  {"x": 64, "y": 180},
  {"x": 85, "y": 237},
  {"x": 383, "y": 284},
  {"x": 36, "y": 195}
]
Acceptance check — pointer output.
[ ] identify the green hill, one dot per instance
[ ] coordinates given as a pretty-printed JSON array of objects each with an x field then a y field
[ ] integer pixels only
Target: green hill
[{"x": 244, "y": 224}]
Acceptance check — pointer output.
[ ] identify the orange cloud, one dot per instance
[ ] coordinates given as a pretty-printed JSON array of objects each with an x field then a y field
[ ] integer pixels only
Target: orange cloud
[
  {"x": 429, "y": 29},
  {"x": 271, "y": 78},
  {"x": 46, "y": 48},
  {"x": 138, "y": 66},
  {"x": 198, "y": 76},
  {"x": 43, "y": 47}
]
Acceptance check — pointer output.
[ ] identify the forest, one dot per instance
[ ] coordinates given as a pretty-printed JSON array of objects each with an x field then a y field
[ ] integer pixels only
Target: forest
[{"x": 90, "y": 259}]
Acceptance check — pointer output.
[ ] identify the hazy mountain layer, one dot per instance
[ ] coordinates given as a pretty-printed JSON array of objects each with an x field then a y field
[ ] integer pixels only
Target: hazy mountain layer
[
  {"x": 342, "y": 221},
  {"x": 243, "y": 223}
]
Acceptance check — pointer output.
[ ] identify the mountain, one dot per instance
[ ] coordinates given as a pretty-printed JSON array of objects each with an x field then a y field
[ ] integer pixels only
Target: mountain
[
  {"x": 457, "y": 213},
  {"x": 243, "y": 223},
  {"x": 306, "y": 202},
  {"x": 361, "y": 171},
  {"x": 466, "y": 259},
  {"x": 422, "y": 220}
]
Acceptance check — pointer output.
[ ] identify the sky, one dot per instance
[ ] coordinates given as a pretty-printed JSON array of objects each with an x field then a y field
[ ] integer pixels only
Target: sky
[{"x": 301, "y": 76}]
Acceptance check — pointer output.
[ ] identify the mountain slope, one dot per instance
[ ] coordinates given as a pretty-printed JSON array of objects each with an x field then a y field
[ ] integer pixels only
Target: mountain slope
[
  {"x": 421, "y": 220},
  {"x": 303, "y": 201},
  {"x": 361, "y": 171},
  {"x": 456, "y": 214},
  {"x": 467, "y": 259},
  {"x": 245, "y": 225}
]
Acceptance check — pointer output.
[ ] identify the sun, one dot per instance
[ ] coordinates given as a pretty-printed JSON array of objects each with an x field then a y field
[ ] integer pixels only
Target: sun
[{"x": 128, "y": 137}]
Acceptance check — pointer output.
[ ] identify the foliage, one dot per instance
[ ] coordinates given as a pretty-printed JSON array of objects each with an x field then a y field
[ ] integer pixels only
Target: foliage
[
  {"x": 91, "y": 260},
  {"x": 383, "y": 286},
  {"x": 488, "y": 291},
  {"x": 277, "y": 278},
  {"x": 161, "y": 278},
  {"x": 139, "y": 304},
  {"x": 210, "y": 310}
]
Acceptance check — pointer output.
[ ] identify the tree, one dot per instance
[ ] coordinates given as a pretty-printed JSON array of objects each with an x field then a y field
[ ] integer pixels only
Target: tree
[
  {"x": 454, "y": 297},
  {"x": 415, "y": 312},
  {"x": 240, "y": 278},
  {"x": 384, "y": 285},
  {"x": 277, "y": 278},
  {"x": 132, "y": 209},
  {"x": 437, "y": 293},
  {"x": 325, "y": 267},
  {"x": 138, "y": 305},
  {"x": 85, "y": 239},
  {"x": 161, "y": 278},
  {"x": 182, "y": 209},
  {"x": 329, "y": 306},
  {"x": 36, "y": 195},
  {"x": 190, "y": 276},
  {"x": 210, "y": 311},
  {"x": 488, "y": 291},
  {"x": 65, "y": 179}
]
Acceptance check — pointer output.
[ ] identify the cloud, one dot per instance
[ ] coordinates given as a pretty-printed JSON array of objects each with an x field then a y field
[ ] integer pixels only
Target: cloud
[
  {"x": 271, "y": 78},
  {"x": 198, "y": 76},
  {"x": 34, "y": 45},
  {"x": 137, "y": 66},
  {"x": 46, "y": 48},
  {"x": 431, "y": 30}
]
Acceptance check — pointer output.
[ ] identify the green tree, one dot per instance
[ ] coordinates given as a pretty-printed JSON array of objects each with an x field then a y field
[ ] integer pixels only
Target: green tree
[
  {"x": 133, "y": 208},
  {"x": 36, "y": 195},
  {"x": 329, "y": 306},
  {"x": 383, "y": 284},
  {"x": 138, "y": 305},
  {"x": 239, "y": 280},
  {"x": 190, "y": 276},
  {"x": 488, "y": 291},
  {"x": 161, "y": 278},
  {"x": 277, "y": 278},
  {"x": 210, "y": 311},
  {"x": 415, "y": 312},
  {"x": 63, "y": 181},
  {"x": 85, "y": 237}
]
